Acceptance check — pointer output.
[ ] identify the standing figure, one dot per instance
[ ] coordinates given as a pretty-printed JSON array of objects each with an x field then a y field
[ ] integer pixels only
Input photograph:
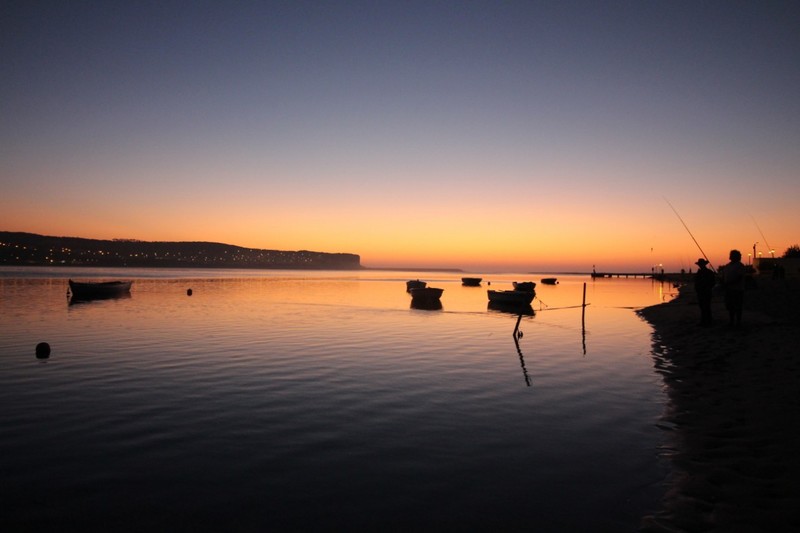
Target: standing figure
[
  {"x": 704, "y": 281},
  {"x": 733, "y": 279}
]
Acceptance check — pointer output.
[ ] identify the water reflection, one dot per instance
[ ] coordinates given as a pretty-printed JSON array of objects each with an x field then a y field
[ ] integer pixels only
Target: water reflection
[
  {"x": 510, "y": 308},
  {"x": 583, "y": 329},
  {"x": 517, "y": 336},
  {"x": 284, "y": 370},
  {"x": 83, "y": 300},
  {"x": 427, "y": 305}
]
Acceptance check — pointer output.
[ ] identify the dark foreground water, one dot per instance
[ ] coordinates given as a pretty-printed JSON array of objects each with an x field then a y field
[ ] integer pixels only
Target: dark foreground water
[{"x": 271, "y": 401}]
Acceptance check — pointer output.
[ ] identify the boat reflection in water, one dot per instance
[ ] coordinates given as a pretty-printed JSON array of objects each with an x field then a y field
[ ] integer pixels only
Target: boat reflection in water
[
  {"x": 82, "y": 300},
  {"x": 426, "y": 305},
  {"x": 523, "y": 309}
]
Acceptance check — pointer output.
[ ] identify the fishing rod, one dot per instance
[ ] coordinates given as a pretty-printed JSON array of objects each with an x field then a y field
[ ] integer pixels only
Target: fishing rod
[
  {"x": 762, "y": 235},
  {"x": 690, "y": 232}
]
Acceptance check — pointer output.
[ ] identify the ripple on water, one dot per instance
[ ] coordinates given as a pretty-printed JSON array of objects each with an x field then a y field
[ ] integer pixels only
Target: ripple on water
[{"x": 345, "y": 408}]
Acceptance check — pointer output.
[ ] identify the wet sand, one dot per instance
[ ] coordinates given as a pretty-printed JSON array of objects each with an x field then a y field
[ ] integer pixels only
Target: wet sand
[{"x": 732, "y": 414}]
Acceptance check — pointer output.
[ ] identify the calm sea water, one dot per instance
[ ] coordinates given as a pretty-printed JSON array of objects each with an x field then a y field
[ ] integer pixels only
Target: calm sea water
[{"x": 285, "y": 400}]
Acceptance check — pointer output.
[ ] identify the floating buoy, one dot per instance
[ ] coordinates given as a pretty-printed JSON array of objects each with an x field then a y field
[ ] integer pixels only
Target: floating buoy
[
  {"x": 189, "y": 292},
  {"x": 42, "y": 350}
]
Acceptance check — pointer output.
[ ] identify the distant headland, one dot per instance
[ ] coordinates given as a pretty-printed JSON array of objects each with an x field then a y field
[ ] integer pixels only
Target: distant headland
[{"x": 29, "y": 249}]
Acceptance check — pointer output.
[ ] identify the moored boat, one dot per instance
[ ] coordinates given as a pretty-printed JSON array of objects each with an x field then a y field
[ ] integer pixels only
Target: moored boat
[
  {"x": 426, "y": 294},
  {"x": 101, "y": 289},
  {"x": 524, "y": 286},
  {"x": 516, "y": 297},
  {"x": 471, "y": 282},
  {"x": 550, "y": 281},
  {"x": 415, "y": 284}
]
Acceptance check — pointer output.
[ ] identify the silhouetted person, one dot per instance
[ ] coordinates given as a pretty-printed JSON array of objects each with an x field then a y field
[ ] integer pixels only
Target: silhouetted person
[
  {"x": 704, "y": 281},
  {"x": 733, "y": 276}
]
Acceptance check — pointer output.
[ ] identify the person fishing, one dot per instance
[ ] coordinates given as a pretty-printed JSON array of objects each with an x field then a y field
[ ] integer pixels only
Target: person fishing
[
  {"x": 704, "y": 281},
  {"x": 733, "y": 279}
]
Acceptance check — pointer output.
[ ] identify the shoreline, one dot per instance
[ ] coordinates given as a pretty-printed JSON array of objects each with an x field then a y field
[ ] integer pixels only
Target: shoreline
[{"x": 733, "y": 398}]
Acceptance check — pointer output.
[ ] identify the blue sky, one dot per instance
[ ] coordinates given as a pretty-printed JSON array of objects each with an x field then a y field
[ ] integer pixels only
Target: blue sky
[{"x": 350, "y": 126}]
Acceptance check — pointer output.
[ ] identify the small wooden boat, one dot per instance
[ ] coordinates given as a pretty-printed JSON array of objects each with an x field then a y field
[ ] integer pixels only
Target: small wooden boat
[
  {"x": 524, "y": 286},
  {"x": 516, "y": 297},
  {"x": 471, "y": 282},
  {"x": 426, "y": 294},
  {"x": 102, "y": 289},
  {"x": 550, "y": 281},
  {"x": 415, "y": 284}
]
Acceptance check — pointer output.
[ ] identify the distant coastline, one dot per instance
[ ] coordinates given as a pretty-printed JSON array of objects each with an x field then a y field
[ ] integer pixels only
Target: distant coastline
[
  {"x": 30, "y": 249},
  {"x": 413, "y": 269}
]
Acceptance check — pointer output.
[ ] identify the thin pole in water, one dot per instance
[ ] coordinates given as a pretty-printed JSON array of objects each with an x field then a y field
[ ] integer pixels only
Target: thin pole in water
[
  {"x": 583, "y": 306},
  {"x": 583, "y": 319}
]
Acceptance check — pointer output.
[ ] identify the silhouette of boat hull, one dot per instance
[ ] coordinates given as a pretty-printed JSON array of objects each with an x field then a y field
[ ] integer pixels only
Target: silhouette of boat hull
[
  {"x": 550, "y": 281},
  {"x": 514, "y": 297},
  {"x": 426, "y": 294},
  {"x": 99, "y": 290},
  {"x": 471, "y": 282}
]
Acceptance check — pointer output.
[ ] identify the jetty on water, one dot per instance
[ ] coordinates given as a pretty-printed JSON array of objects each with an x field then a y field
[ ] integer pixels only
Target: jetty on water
[
  {"x": 624, "y": 275},
  {"x": 679, "y": 276}
]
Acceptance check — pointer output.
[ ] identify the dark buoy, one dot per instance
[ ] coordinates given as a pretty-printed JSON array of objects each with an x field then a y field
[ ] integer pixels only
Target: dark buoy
[
  {"x": 189, "y": 292},
  {"x": 42, "y": 350}
]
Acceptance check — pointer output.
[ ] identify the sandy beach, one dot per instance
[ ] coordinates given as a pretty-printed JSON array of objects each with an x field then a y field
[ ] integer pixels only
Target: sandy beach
[{"x": 732, "y": 409}]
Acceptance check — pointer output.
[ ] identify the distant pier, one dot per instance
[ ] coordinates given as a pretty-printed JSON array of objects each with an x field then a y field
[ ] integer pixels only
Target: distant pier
[
  {"x": 679, "y": 276},
  {"x": 623, "y": 275}
]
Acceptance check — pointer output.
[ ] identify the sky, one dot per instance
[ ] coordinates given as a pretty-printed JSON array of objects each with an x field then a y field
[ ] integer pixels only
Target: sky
[{"x": 486, "y": 136}]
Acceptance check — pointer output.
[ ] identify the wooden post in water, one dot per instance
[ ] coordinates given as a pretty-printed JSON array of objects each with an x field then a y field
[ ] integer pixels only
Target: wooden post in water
[
  {"x": 583, "y": 306},
  {"x": 583, "y": 319}
]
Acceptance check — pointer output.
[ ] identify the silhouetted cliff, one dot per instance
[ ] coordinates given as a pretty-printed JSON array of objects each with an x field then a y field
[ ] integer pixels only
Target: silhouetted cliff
[{"x": 32, "y": 249}]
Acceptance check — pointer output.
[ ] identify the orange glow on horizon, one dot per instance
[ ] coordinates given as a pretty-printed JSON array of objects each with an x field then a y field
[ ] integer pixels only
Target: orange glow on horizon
[{"x": 477, "y": 235}]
